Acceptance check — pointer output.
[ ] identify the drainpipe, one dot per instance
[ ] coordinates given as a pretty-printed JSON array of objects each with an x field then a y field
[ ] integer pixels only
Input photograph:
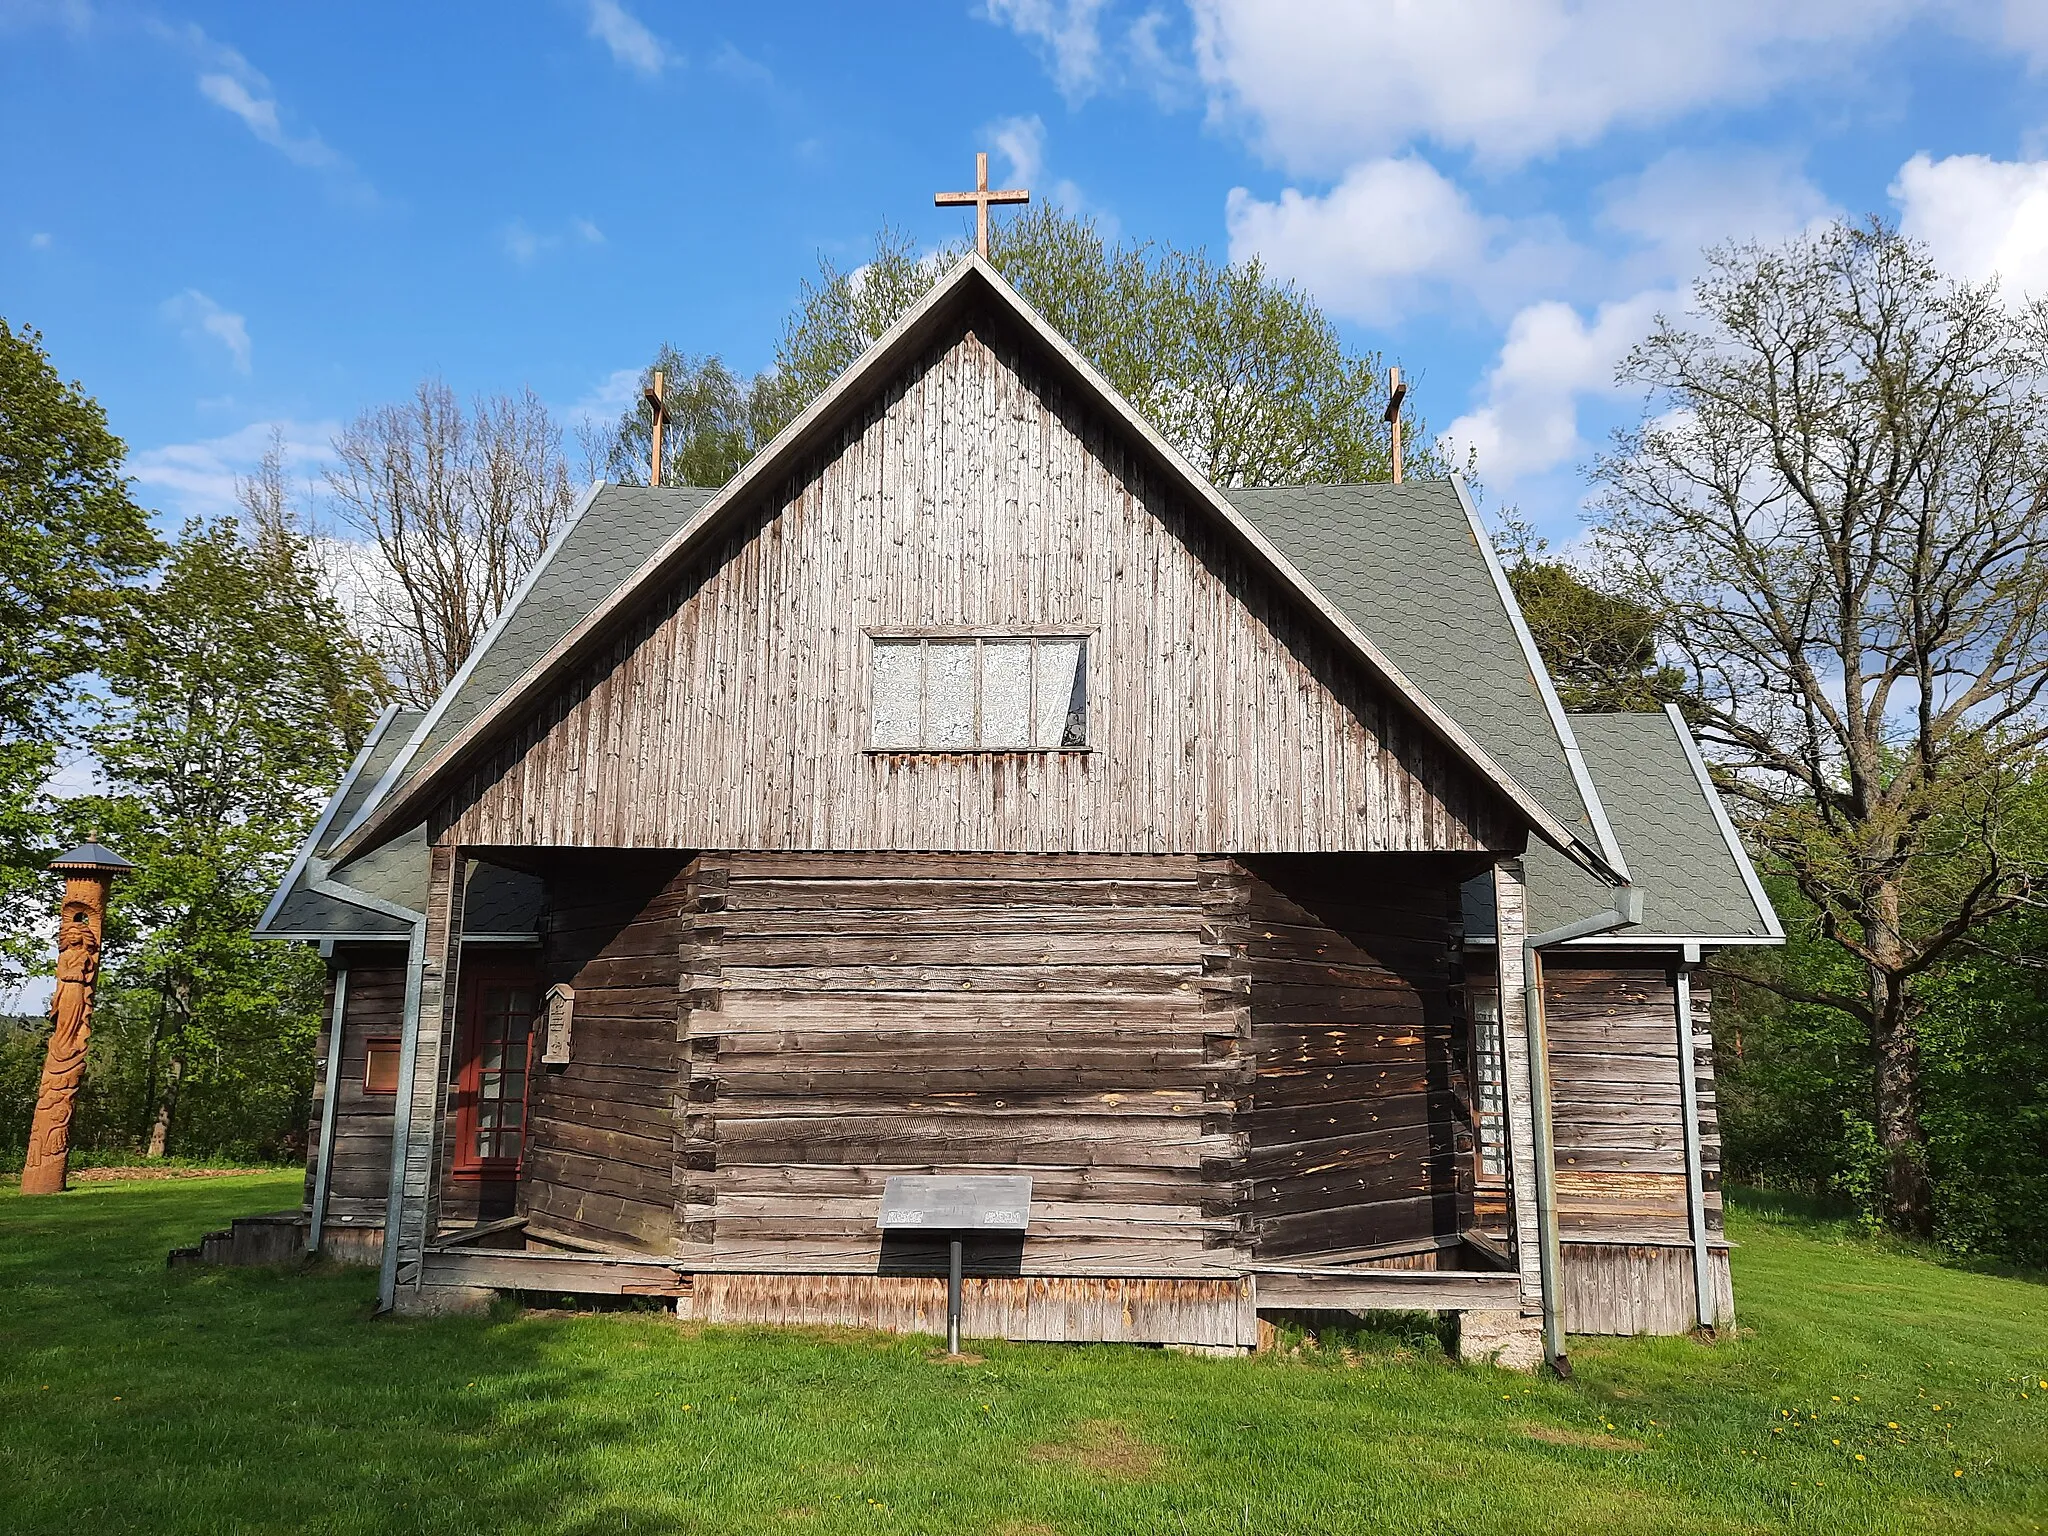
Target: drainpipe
[
  {"x": 1695, "y": 1176},
  {"x": 1628, "y": 911}
]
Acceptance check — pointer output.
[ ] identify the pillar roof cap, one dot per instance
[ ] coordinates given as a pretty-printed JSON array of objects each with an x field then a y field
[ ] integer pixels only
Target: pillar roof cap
[{"x": 87, "y": 858}]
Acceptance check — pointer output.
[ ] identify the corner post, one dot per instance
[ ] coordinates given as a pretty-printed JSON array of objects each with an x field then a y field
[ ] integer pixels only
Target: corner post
[
  {"x": 330, "y": 1095},
  {"x": 1695, "y": 1176},
  {"x": 431, "y": 990},
  {"x": 1511, "y": 918}
]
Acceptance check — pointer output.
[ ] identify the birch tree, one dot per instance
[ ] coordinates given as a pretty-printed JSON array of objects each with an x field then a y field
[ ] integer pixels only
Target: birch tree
[{"x": 1836, "y": 500}]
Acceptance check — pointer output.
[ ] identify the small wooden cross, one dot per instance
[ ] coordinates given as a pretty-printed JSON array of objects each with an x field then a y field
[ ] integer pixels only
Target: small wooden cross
[
  {"x": 980, "y": 198},
  {"x": 1396, "y": 393},
  {"x": 656, "y": 396}
]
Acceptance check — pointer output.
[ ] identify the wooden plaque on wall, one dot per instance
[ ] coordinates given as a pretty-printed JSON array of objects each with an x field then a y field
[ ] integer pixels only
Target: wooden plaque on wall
[{"x": 561, "y": 1012}]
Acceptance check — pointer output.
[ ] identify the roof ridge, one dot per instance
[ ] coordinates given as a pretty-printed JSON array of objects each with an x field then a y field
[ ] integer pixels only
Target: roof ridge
[{"x": 840, "y": 397}]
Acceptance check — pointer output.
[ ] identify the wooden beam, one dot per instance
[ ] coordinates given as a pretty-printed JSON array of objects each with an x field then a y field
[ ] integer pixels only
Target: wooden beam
[
  {"x": 1511, "y": 919},
  {"x": 423, "y": 1072},
  {"x": 330, "y": 1097},
  {"x": 572, "y": 1274},
  {"x": 1386, "y": 1290}
]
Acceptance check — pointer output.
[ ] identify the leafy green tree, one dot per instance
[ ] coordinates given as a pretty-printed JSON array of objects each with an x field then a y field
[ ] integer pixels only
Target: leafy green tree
[
  {"x": 1835, "y": 499},
  {"x": 1241, "y": 373},
  {"x": 1600, "y": 648},
  {"x": 235, "y": 697},
  {"x": 716, "y": 422},
  {"x": 71, "y": 543}
]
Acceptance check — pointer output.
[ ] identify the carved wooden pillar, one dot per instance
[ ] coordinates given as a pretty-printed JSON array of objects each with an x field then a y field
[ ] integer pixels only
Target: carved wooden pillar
[{"x": 88, "y": 870}]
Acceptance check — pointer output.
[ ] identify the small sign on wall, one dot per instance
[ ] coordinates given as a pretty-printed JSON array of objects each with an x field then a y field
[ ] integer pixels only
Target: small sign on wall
[{"x": 561, "y": 1011}]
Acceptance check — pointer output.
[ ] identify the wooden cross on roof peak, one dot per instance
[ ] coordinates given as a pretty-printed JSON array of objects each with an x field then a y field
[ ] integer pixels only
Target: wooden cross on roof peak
[{"x": 980, "y": 198}]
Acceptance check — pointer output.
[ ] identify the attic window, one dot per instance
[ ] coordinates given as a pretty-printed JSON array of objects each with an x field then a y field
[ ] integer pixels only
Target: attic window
[{"x": 978, "y": 693}]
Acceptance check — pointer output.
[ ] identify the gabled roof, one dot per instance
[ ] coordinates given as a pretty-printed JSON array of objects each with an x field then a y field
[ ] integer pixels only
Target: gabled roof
[
  {"x": 1697, "y": 882},
  {"x": 1410, "y": 565},
  {"x": 440, "y": 753}
]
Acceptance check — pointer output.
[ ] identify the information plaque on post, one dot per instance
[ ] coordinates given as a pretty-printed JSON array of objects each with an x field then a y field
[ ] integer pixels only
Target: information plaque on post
[{"x": 954, "y": 1204}]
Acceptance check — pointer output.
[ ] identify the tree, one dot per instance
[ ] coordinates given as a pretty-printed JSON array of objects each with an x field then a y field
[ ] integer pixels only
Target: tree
[
  {"x": 1243, "y": 374},
  {"x": 716, "y": 422},
  {"x": 235, "y": 697},
  {"x": 458, "y": 504},
  {"x": 1599, "y": 647},
  {"x": 71, "y": 543},
  {"x": 1836, "y": 499}
]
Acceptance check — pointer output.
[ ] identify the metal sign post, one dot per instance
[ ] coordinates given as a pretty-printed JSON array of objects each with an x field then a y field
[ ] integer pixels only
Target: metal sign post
[{"x": 955, "y": 1204}]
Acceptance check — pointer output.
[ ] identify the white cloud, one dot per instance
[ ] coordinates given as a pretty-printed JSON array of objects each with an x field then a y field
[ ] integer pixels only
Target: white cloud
[
  {"x": 1021, "y": 141},
  {"x": 40, "y": 240},
  {"x": 1980, "y": 217},
  {"x": 1395, "y": 234},
  {"x": 260, "y": 114},
  {"x": 526, "y": 245},
  {"x": 1067, "y": 32},
  {"x": 1691, "y": 199},
  {"x": 631, "y": 44},
  {"x": 237, "y": 87},
  {"x": 198, "y": 316},
  {"x": 1323, "y": 83},
  {"x": 1552, "y": 357},
  {"x": 198, "y": 479}
]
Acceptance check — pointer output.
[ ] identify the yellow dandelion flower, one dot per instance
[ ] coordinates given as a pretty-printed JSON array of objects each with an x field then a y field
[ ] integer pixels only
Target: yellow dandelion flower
[
  {"x": 1838, "y": 1442},
  {"x": 1891, "y": 1424},
  {"x": 1959, "y": 1471},
  {"x": 1859, "y": 1455}
]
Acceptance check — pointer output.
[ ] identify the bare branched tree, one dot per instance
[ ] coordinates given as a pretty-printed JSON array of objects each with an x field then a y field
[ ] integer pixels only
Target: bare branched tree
[
  {"x": 459, "y": 504},
  {"x": 1837, "y": 499}
]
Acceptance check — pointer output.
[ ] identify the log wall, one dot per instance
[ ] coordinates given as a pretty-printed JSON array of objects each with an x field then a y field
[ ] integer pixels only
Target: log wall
[
  {"x": 600, "y": 1162},
  {"x": 1360, "y": 1123},
  {"x": 359, "y": 1179},
  {"x": 1621, "y": 1192},
  {"x": 974, "y": 493},
  {"x": 858, "y": 1016}
]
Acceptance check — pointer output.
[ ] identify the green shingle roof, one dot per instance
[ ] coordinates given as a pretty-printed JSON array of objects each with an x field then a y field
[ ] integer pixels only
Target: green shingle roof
[
  {"x": 1695, "y": 884},
  {"x": 616, "y": 530},
  {"x": 1404, "y": 563}
]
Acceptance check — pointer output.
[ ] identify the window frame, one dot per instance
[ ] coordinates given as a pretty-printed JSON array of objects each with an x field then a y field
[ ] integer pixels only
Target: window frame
[
  {"x": 1012, "y": 634},
  {"x": 395, "y": 1044}
]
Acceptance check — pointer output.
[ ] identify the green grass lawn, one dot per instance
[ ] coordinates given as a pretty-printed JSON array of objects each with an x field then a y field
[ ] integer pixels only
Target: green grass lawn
[{"x": 1868, "y": 1390}]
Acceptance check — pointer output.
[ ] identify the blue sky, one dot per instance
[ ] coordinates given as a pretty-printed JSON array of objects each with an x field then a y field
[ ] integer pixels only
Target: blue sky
[{"x": 229, "y": 217}]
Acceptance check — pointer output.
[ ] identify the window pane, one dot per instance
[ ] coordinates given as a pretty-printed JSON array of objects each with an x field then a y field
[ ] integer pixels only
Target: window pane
[
  {"x": 895, "y": 693},
  {"x": 1062, "y": 695},
  {"x": 949, "y": 695},
  {"x": 380, "y": 1072},
  {"x": 1006, "y": 693}
]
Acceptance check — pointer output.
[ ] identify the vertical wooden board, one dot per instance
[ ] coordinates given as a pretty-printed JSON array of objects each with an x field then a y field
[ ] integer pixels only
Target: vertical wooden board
[{"x": 972, "y": 492}]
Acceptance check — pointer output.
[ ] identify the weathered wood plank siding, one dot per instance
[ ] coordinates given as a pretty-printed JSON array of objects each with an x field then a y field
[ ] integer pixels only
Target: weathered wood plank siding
[
  {"x": 1630, "y": 1288},
  {"x": 1615, "y": 1093},
  {"x": 1361, "y": 1118},
  {"x": 599, "y": 1163},
  {"x": 857, "y": 1016},
  {"x": 974, "y": 493},
  {"x": 359, "y": 1179}
]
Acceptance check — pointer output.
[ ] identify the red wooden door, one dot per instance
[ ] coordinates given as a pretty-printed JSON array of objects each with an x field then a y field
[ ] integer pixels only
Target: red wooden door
[{"x": 494, "y": 1067}]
